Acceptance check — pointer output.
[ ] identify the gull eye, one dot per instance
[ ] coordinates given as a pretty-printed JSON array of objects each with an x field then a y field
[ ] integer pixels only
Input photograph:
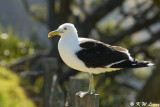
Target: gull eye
[{"x": 65, "y": 28}]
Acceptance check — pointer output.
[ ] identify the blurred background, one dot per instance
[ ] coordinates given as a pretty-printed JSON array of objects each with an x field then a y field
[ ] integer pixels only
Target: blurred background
[{"x": 32, "y": 73}]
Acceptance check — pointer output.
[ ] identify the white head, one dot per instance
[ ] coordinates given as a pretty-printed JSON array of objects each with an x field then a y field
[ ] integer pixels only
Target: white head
[{"x": 64, "y": 30}]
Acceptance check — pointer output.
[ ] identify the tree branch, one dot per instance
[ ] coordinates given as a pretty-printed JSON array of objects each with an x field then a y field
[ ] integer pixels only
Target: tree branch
[
  {"x": 64, "y": 10},
  {"x": 98, "y": 13},
  {"x": 138, "y": 47},
  {"x": 53, "y": 21},
  {"x": 21, "y": 64},
  {"x": 52, "y": 16},
  {"x": 82, "y": 6},
  {"x": 32, "y": 14},
  {"x": 150, "y": 91},
  {"x": 136, "y": 27}
]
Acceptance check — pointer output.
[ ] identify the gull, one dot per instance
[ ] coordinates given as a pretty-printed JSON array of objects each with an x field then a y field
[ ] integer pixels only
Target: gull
[{"x": 92, "y": 56}]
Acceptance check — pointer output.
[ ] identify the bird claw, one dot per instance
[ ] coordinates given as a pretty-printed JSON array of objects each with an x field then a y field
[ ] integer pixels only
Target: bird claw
[{"x": 83, "y": 94}]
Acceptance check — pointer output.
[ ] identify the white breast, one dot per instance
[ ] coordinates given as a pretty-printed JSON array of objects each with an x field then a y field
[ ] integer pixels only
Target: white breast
[{"x": 67, "y": 50}]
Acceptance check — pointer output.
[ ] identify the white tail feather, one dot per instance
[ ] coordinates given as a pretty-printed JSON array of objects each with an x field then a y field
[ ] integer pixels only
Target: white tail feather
[{"x": 150, "y": 64}]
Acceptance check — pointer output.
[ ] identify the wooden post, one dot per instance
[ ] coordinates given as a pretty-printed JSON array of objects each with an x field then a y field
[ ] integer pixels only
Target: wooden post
[
  {"x": 75, "y": 85},
  {"x": 48, "y": 71},
  {"x": 76, "y": 99},
  {"x": 89, "y": 100},
  {"x": 52, "y": 95}
]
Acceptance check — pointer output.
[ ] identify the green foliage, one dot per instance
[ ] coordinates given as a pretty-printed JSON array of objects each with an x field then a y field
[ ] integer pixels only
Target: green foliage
[
  {"x": 126, "y": 42},
  {"x": 39, "y": 11},
  {"x": 38, "y": 85},
  {"x": 12, "y": 47},
  {"x": 109, "y": 27},
  {"x": 96, "y": 2},
  {"x": 157, "y": 3},
  {"x": 11, "y": 94},
  {"x": 111, "y": 93}
]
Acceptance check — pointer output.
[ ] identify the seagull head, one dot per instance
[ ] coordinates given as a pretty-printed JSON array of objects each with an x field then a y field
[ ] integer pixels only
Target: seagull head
[{"x": 64, "y": 30}]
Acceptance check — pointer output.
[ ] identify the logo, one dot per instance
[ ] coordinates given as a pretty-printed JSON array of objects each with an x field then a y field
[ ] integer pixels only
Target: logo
[{"x": 131, "y": 103}]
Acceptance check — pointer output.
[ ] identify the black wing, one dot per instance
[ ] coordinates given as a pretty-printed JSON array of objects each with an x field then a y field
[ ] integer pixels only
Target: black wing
[{"x": 98, "y": 54}]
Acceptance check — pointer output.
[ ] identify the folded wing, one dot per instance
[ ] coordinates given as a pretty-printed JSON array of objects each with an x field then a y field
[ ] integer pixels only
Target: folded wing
[{"x": 97, "y": 54}]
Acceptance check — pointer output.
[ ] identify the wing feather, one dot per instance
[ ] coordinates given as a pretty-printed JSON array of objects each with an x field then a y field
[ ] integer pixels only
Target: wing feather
[{"x": 97, "y": 54}]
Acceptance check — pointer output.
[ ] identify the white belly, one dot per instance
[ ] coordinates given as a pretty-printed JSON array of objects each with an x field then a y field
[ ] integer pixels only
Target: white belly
[{"x": 68, "y": 55}]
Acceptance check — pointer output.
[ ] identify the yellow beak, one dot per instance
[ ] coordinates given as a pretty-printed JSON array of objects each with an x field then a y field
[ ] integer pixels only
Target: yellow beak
[{"x": 53, "y": 33}]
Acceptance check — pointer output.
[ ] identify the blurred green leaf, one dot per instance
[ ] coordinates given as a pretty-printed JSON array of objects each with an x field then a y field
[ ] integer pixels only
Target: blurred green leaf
[
  {"x": 11, "y": 94},
  {"x": 12, "y": 47}
]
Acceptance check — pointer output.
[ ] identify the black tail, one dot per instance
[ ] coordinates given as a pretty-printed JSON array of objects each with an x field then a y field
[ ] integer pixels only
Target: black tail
[{"x": 132, "y": 64}]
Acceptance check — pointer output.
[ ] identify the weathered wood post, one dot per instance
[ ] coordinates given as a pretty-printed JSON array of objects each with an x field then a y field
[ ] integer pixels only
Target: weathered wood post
[
  {"x": 52, "y": 94},
  {"x": 48, "y": 71},
  {"x": 75, "y": 85},
  {"x": 89, "y": 100}
]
